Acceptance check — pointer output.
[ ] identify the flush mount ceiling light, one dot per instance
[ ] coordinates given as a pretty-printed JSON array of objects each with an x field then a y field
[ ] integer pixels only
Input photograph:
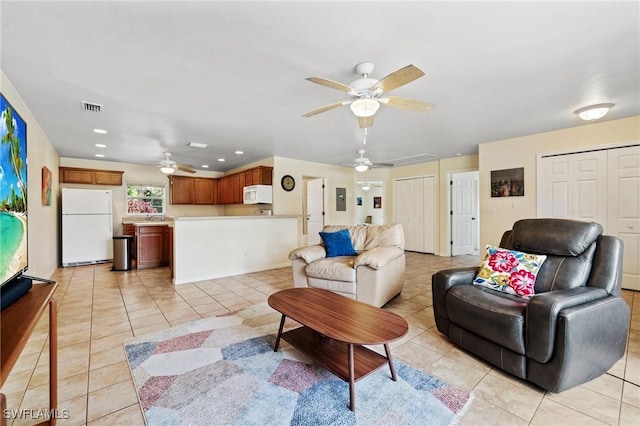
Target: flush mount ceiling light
[
  {"x": 197, "y": 145},
  {"x": 100, "y": 131},
  {"x": 167, "y": 170},
  {"x": 593, "y": 112},
  {"x": 364, "y": 107}
]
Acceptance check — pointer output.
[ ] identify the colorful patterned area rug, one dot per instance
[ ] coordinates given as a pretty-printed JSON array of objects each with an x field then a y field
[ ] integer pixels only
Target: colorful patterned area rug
[{"x": 223, "y": 371}]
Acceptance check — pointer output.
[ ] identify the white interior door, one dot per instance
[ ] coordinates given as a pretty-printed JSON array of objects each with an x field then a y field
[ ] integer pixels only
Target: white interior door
[
  {"x": 464, "y": 213},
  {"x": 601, "y": 186},
  {"x": 403, "y": 210},
  {"x": 624, "y": 209},
  {"x": 414, "y": 208},
  {"x": 315, "y": 210},
  {"x": 574, "y": 186}
]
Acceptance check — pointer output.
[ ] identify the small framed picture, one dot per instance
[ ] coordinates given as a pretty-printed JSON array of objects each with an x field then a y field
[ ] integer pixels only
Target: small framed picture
[
  {"x": 377, "y": 202},
  {"x": 358, "y": 201}
]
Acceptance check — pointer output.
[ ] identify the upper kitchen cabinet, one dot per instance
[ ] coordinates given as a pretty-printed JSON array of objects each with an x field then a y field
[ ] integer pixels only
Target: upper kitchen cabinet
[
  {"x": 90, "y": 176},
  {"x": 181, "y": 190},
  {"x": 192, "y": 190},
  {"x": 204, "y": 190}
]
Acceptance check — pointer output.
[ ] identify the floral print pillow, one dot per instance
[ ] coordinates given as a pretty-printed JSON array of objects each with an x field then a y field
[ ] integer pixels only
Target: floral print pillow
[{"x": 509, "y": 271}]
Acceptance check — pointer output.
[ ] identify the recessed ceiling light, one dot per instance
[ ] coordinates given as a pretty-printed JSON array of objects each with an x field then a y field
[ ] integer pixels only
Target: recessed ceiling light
[
  {"x": 100, "y": 131},
  {"x": 239, "y": 152},
  {"x": 197, "y": 145},
  {"x": 221, "y": 159},
  {"x": 205, "y": 166},
  {"x": 100, "y": 155},
  {"x": 101, "y": 145}
]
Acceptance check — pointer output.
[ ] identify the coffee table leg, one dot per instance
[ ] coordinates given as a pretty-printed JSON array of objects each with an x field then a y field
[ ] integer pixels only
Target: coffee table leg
[
  {"x": 393, "y": 370},
  {"x": 275, "y": 348},
  {"x": 352, "y": 384}
]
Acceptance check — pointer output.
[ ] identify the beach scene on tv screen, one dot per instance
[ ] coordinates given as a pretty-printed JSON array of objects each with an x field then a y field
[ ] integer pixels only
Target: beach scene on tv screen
[{"x": 13, "y": 192}]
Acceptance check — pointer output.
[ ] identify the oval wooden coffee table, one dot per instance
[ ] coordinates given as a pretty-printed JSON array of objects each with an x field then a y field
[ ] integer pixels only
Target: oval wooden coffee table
[{"x": 334, "y": 330}]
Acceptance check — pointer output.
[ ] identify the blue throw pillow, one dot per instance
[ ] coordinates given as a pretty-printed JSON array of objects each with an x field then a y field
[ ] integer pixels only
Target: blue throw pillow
[{"x": 338, "y": 243}]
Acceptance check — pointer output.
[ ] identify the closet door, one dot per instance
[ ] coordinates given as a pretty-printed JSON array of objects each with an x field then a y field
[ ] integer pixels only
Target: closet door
[
  {"x": 575, "y": 186},
  {"x": 414, "y": 208},
  {"x": 600, "y": 186},
  {"x": 624, "y": 209},
  {"x": 403, "y": 209}
]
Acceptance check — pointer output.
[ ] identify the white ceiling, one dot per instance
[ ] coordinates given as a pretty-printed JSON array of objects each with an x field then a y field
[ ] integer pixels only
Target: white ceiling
[{"x": 232, "y": 74}]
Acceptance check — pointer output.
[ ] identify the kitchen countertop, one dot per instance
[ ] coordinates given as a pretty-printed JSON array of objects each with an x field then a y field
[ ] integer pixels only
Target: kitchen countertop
[{"x": 143, "y": 222}]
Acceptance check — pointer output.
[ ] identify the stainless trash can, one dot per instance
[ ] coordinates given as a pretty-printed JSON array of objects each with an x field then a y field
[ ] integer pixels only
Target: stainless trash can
[{"x": 122, "y": 253}]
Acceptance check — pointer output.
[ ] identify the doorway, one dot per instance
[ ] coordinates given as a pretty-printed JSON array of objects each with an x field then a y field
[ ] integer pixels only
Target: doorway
[
  {"x": 369, "y": 202},
  {"x": 464, "y": 220},
  {"x": 313, "y": 209}
]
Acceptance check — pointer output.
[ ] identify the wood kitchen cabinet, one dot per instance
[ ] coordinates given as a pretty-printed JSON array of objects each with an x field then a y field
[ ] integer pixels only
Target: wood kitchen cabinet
[
  {"x": 90, "y": 176},
  {"x": 192, "y": 190},
  {"x": 130, "y": 229},
  {"x": 203, "y": 191},
  {"x": 153, "y": 246},
  {"x": 181, "y": 190},
  {"x": 231, "y": 187}
]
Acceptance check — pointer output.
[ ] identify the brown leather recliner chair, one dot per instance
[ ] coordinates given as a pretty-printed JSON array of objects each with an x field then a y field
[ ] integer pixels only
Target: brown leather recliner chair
[{"x": 571, "y": 331}]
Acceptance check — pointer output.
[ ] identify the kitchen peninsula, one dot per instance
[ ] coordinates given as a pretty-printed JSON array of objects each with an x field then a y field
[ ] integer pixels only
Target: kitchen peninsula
[{"x": 219, "y": 246}]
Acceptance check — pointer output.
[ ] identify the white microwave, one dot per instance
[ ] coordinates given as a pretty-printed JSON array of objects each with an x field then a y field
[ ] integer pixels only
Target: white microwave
[{"x": 258, "y": 194}]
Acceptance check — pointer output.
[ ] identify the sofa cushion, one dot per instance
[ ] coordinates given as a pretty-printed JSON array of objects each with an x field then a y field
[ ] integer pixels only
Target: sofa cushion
[
  {"x": 495, "y": 316},
  {"x": 332, "y": 268},
  {"x": 384, "y": 236},
  {"x": 509, "y": 271},
  {"x": 338, "y": 243}
]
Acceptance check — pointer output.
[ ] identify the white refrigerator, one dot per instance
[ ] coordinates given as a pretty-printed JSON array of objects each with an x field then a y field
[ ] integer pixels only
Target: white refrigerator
[{"x": 87, "y": 226}]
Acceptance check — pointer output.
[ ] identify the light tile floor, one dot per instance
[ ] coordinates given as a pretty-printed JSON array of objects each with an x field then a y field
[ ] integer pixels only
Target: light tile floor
[{"x": 98, "y": 309}]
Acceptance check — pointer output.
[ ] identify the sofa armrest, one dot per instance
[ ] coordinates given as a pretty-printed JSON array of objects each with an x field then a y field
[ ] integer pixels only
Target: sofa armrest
[
  {"x": 377, "y": 258},
  {"x": 443, "y": 280},
  {"x": 542, "y": 317},
  {"x": 308, "y": 253}
]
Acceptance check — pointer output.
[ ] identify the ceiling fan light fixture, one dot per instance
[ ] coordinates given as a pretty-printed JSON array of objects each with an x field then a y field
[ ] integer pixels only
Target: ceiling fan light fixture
[
  {"x": 365, "y": 107},
  {"x": 366, "y": 188},
  {"x": 362, "y": 168},
  {"x": 593, "y": 112},
  {"x": 167, "y": 170}
]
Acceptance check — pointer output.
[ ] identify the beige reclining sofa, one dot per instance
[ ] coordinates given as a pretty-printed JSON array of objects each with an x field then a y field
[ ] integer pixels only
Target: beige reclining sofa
[{"x": 374, "y": 276}]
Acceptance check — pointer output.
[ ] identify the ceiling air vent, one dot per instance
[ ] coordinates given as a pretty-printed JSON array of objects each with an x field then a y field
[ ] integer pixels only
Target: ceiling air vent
[{"x": 91, "y": 107}]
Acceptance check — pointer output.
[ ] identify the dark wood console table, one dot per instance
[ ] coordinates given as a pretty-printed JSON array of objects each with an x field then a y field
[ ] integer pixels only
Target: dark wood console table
[{"x": 17, "y": 322}]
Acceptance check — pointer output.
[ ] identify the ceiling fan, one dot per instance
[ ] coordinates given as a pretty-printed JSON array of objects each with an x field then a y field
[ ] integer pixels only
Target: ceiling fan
[
  {"x": 168, "y": 166},
  {"x": 362, "y": 163},
  {"x": 366, "y": 94}
]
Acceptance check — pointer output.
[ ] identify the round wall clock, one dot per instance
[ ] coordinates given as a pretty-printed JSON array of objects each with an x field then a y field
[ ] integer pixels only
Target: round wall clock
[{"x": 288, "y": 183}]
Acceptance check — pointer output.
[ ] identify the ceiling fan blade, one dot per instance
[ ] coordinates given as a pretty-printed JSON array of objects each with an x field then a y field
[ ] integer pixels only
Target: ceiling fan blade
[
  {"x": 365, "y": 122},
  {"x": 330, "y": 83},
  {"x": 382, "y": 165},
  {"x": 398, "y": 78},
  {"x": 184, "y": 168},
  {"x": 406, "y": 103},
  {"x": 326, "y": 108}
]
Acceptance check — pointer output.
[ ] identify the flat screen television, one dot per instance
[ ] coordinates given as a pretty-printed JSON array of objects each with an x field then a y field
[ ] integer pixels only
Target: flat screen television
[{"x": 13, "y": 193}]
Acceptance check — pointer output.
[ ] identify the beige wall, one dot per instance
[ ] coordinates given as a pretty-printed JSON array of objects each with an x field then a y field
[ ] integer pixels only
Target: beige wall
[
  {"x": 134, "y": 173},
  {"x": 290, "y": 203},
  {"x": 43, "y": 220},
  {"x": 499, "y": 214}
]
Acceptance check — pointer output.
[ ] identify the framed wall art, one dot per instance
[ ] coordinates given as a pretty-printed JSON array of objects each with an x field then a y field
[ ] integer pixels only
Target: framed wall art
[
  {"x": 46, "y": 186},
  {"x": 507, "y": 183},
  {"x": 377, "y": 202}
]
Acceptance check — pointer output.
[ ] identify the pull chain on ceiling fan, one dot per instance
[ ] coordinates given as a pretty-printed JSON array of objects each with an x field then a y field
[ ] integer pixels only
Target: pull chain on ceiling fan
[{"x": 366, "y": 93}]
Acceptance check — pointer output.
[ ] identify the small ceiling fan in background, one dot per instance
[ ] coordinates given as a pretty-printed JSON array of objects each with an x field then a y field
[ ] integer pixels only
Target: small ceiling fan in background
[
  {"x": 366, "y": 94},
  {"x": 168, "y": 166},
  {"x": 362, "y": 163}
]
